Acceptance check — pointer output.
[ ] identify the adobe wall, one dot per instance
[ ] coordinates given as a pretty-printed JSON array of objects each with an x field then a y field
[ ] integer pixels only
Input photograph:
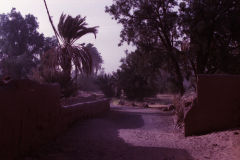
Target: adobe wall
[
  {"x": 31, "y": 115},
  {"x": 217, "y": 107},
  {"x": 83, "y": 110}
]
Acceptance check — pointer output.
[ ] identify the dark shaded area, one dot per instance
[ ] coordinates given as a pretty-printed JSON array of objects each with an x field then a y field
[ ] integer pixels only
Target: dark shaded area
[
  {"x": 217, "y": 107},
  {"x": 98, "y": 139},
  {"x": 31, "y": 115}
]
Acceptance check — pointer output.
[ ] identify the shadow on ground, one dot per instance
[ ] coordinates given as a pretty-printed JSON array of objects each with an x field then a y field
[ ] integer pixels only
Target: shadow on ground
[{"x": 98, "y": 139}]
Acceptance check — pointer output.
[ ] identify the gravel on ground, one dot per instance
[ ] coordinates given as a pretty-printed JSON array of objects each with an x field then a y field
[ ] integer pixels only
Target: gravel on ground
[{"x": 130, "y": 133}]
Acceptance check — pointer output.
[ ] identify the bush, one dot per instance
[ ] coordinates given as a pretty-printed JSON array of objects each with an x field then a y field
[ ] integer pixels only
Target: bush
[
  {"x": 183, "y": 105},
  {"x": 105, "y": 83},
  {"x": 68, "y": 88},
  {"x": 136, "y": 86},
  {"x": 87, "y": 83},
  {"x": 48, "y": 72}
]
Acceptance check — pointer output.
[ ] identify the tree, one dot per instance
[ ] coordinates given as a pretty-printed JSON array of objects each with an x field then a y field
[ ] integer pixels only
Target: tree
[
  {"x": 69, "y": 31},
  {"x": 68, "y": 53},
  {"x": 90, "y": 82},
  {"x": 151, "y": 22},
  {"x": 96, "y": 57},
  {"x": 137, "y": 75},
  {"x": 20, "y": 44},
  {"x": 105, "y": 83},
  {"x": 201, "y": 38},
  {"x": 212, "y": 28}
]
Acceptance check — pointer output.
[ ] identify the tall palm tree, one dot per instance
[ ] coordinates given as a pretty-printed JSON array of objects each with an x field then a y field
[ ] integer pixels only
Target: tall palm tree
[
  {"x": 70, "y": 30},
  {"x": 50, "y": 19},
  {"x": 69, "y": 53}
]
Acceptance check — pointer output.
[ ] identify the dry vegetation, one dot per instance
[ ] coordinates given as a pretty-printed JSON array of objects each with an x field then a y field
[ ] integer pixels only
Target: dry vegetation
[
  {"x": 182, "y": 106},
  {"x": 160, "y": 101}
]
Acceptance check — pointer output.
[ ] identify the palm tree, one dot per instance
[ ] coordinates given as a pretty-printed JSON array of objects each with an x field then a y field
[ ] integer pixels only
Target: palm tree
[
  {"x": 50, "y": 19},
  {"x": 69, "y": 53},
  {"x": 96, "y": 58},
  {"x": 70, "y": 30}
]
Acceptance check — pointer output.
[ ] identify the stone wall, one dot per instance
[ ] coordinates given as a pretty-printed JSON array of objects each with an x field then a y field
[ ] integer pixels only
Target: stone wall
[
  {"x": 217, "y": 107},
  {"x": 31, "y": 115}
]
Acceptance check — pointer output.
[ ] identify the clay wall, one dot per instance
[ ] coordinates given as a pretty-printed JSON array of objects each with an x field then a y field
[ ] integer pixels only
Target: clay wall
[
  {"x": 31, "y": 115},
  {"x": 217, "y": 106}
]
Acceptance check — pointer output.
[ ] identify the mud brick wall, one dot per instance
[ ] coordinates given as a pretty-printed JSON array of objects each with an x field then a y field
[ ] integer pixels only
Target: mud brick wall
[
  {"x": 217, "y": 107},
  {"x": 84, "y": 110},
  {"x": 31, "y": 115}
]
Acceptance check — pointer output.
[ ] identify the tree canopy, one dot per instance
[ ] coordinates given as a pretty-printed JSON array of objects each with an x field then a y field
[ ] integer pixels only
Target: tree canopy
[
  {"x": 212, "y": 28},
  {"x": 96, "y": 57},
  {"x": 137, "y": 75},
  {"x": 20, "y": 43},
  {"x": 151, "y": 23},
  {"x": 191, "y": 37}
]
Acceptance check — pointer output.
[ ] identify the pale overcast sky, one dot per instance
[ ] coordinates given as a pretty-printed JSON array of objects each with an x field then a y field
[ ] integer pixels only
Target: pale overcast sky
[{"x": 108, "y": 33}]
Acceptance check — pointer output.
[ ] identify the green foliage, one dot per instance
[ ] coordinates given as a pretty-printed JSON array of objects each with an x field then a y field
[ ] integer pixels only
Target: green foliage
[
  {"x": 147, "y": 23},
  {"x": 96, "y": 57},
  {"x": 106, "y": 84},
  {"x": 20, "y": 44},
  {"x": 17, "y": 67},
  {"x": 48, "y": 71},
  {"x": 137, "y": 76},
  {"x": 68, "y": 53},
  {"x": 166, "y": 83},
  {"x": 70, "y": 30},
  {"x": 87, "y": 83},
  {"x": 201, "y": 38},
  {"x": 212, "y": 28}
]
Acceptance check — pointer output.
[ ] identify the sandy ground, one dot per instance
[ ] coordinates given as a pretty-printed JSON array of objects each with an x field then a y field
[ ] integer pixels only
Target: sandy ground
[{"x": 127, "y": 133}]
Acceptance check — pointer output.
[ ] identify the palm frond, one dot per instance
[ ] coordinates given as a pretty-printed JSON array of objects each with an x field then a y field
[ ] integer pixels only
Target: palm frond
[
  {"x": 71, "y": 29},
  {"x": 82, "y": 60},
  {"x": 92, "y": 30}
]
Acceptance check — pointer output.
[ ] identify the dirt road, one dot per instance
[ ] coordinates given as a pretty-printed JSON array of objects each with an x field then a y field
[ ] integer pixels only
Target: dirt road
[{"x": 127, "y": 133}]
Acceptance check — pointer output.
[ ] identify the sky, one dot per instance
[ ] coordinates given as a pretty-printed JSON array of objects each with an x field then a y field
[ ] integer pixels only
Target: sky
[{"x": 108, "y": 32}]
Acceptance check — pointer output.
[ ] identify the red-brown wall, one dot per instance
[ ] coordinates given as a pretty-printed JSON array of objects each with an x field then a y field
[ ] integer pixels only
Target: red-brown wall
[
  {"x": 31, "y": 115},
  {"x": 217, "y": 107}
]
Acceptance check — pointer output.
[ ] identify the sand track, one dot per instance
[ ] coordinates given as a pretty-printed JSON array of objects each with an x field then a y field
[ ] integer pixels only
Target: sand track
[{"x": 127, "y": 133}]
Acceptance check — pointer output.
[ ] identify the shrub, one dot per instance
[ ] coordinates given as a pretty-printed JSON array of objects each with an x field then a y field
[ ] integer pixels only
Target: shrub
[
  {"x": 179, "y": 111},
  {"x": 87, "y": 83},
  {"x": 68, "y": 88},
  {"x": 183, "y": 105},
  {"x": 105, "y": 83},
  {"x": 136, "y": 86}
]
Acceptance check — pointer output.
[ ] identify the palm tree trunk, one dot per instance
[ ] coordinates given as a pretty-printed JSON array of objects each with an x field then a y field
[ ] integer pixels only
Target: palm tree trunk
[
  {"x": 66, "y": 64},
  {"x": 50, "y": 19}
]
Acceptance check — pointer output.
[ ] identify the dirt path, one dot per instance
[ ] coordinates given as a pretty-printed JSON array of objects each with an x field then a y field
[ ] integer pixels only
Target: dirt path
[{"x": 127, "y": 133}]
